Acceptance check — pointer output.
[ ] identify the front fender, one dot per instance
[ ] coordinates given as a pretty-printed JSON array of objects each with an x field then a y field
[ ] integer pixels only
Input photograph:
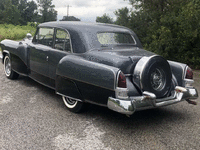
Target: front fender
[{"x": 18, "y": 54}]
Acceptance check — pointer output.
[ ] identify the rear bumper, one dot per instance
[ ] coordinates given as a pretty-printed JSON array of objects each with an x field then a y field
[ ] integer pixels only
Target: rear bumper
[{"x": 148, "y": 100}]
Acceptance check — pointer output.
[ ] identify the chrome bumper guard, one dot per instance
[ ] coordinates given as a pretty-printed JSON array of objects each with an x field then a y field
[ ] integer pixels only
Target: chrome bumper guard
[{"x": 148, "y": 100}]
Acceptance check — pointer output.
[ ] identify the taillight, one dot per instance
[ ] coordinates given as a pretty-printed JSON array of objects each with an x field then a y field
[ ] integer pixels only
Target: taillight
[
  {"x": 121, "y": 91},
  {"x": 121, "y": 80},
  {"x": 189, "y": 73}
]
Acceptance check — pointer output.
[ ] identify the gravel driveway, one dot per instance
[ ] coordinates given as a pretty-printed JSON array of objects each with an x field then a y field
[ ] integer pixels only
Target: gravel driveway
[{"x": 34, "y": 117}]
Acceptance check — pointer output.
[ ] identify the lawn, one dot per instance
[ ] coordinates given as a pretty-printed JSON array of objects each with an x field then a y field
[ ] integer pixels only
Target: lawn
[{"x": 15, "y": 32}]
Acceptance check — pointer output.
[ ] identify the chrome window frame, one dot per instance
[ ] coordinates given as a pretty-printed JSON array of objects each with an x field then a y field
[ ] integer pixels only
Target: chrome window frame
[{"x": 70, "y": 41}]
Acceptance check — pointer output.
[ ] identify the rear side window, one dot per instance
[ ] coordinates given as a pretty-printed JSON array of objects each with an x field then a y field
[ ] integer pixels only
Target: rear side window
[
  {"x": 45, "y": 36},
  {"x": 62, "y": 40}
]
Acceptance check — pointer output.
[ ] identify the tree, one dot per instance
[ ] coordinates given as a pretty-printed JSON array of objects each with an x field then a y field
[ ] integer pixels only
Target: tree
[
  {"x": 169, "y": 27},
  {"x": 104, "y": 19},
  {"x": 47, "y": 11},
  {"x": 70, "y": 18},
  {"x": 17, "y": 11},
  {"x": 9, "y": 13},
  {"x": 29, "y": 14},
  {"x": 27, "y": 11},
  {"x": 24, "y": 11},
  {"x": 123, "y": 16}
]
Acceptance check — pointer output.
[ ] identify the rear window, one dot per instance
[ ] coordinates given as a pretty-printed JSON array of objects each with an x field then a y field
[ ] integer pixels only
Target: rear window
[{"x": 106, "y": 38}]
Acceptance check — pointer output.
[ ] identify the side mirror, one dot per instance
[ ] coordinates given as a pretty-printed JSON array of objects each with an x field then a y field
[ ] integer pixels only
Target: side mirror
[{"x": 29, "y": 36}]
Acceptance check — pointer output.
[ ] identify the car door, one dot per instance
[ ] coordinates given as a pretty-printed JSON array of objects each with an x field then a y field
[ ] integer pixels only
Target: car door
[
  {"x": 38, "y": 55},
  {"x": 62, "y": 47}
]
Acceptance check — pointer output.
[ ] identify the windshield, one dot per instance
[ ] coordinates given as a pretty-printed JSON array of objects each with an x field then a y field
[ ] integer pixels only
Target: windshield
[{"x": 107, "y": 38}]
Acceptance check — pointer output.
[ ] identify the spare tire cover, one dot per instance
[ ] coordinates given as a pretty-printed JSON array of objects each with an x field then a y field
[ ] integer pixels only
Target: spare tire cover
[{"x": 153, "y": 74}]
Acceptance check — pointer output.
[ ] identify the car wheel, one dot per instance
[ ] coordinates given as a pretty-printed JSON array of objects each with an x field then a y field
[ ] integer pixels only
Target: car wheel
[
  {"x": 10, "y": 74},
  {"x": 73, "y": 105}
]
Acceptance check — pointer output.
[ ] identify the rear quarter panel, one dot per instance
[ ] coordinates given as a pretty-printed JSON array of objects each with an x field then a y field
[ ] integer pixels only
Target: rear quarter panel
[
  {"x": 178, "y": 70},
  {"x": 95, "y": 82}
]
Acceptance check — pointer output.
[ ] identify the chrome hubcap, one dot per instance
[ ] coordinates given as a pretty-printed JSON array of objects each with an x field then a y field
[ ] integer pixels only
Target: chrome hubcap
[
  {"x": 70, "y": 103},
  {"x": 157, "y": 79},
  {"x": 7, "y": 66}
]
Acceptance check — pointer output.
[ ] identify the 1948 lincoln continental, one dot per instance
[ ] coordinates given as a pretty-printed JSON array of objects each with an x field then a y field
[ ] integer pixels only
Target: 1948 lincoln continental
[{"x": 98, "y": 63}]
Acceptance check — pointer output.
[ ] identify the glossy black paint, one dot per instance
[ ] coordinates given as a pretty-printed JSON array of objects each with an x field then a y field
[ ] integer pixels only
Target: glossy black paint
[
  {"x": 66, "y": 86},
  {"x": 94, "y": 94},
  {"x": 54, "y": 57},
  {"x": 124, "y": 59},
  {"x": 77, "y": 68},
  {"x": 18, "y": 65},
  {"x": 38, "y": 59}
]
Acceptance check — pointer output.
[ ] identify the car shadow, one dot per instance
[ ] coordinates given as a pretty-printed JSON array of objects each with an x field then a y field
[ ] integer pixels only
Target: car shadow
[{"x": 149, "y": 114}]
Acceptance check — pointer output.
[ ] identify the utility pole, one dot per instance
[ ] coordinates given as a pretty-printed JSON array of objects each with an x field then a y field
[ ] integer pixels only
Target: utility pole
[{"x": 68, "y": 10}]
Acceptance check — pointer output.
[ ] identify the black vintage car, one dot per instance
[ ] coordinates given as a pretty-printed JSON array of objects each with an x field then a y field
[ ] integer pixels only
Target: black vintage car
[{"x": 98, "y": 63}]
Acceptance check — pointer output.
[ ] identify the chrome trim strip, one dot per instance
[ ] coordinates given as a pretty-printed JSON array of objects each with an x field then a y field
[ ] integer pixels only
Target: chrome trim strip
[
  {"x": 26, "y": 75},
  {"x": 134, "y": 39},
  {"x": 69, "y": 97},
  {"x": 117, "y": 78},
  {"x": 91, "y": 102},
  {"x": 184, "y": 72}
]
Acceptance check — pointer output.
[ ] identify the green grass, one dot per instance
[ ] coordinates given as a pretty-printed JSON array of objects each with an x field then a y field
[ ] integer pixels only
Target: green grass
[{"x": 15, "y": 32}]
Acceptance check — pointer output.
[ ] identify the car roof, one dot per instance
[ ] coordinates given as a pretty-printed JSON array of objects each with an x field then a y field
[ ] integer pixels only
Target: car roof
[
  {"x": 82, "y": 25},
  {"x": 83, "y": 34}
]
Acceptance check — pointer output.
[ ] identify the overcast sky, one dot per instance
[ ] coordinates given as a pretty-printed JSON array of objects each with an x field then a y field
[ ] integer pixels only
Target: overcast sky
[{"x": 87, "y": 10}]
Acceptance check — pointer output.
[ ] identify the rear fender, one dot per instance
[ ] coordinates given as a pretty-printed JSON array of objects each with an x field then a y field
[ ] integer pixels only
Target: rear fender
[
  {"x": 82, "y": 74},
  {"x": 178, "y": 70}
]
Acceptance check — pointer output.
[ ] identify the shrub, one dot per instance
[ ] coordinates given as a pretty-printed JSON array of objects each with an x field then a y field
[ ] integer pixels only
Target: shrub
[{"x": 13, "y": 32}]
